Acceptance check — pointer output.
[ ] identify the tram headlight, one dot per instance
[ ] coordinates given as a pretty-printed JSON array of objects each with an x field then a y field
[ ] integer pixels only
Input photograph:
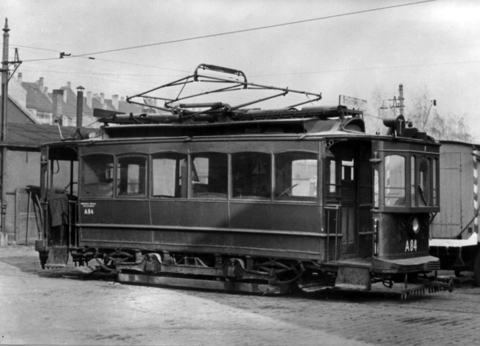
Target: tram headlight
[{"x": 415, "y": 225}]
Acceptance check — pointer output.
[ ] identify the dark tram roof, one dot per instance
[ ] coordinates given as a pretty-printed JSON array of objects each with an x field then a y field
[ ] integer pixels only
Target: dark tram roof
[{"x": 276, "y": 121}]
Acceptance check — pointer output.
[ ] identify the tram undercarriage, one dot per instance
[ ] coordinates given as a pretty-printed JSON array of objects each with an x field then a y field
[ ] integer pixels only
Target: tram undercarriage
[{"x": 253, "y": 275}]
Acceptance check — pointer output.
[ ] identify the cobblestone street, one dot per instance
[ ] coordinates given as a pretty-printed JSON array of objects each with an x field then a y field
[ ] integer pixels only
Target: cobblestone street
[{"x": 59, "y": 307}]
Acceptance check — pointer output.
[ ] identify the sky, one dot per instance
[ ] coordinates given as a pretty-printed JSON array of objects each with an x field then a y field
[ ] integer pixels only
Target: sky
[{"x": 333, "y": 47}]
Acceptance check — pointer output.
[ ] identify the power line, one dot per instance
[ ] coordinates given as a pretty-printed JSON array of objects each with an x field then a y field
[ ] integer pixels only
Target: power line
[
  {"x": 240, "y": 31},
  {"x": 106, "y": 60},
  {"x": 371, "y": 68}
]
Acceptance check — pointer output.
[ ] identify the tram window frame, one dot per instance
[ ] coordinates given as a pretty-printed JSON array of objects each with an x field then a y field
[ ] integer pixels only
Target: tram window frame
[
  {"x": 212, "y": 184},
  {"x": 175, "y": 184},
  {"x": 122, "y": 188},
  {"x": 291, "y": 184},
  {"x": 251, "y": 175},
  {"x": 393, "y": 196},
  {"x": 376, "y": 187},
  {"x": 103, "y": 186},
  {"x": 435, "y": 180},
  {"x": 425, "y": 182},
  {"x": 333, "y": 187},
  {"x": 413, "y": 181}
]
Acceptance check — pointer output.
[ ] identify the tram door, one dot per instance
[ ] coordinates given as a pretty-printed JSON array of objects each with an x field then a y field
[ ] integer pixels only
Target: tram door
[
  {"x": 349, "y": 170},
  {"x": 349, "y": 204}
]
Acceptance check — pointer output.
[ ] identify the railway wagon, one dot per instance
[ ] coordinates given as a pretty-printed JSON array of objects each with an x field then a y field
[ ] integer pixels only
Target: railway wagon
[
  {"x": 454, "y": 231},
  {"x": 222, "y": 197}
]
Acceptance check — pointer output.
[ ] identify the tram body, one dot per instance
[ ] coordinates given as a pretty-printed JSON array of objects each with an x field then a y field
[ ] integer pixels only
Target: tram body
[{"x": 253, "y": 204}]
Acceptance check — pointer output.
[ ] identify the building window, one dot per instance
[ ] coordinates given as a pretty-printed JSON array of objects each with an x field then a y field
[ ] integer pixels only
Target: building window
[
  {"x": 132, "y": 176},
  {"x": 97, "y": 176}
]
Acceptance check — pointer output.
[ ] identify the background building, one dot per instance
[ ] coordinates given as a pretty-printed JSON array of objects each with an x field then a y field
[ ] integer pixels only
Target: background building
[{"x": 32, "y": 115}]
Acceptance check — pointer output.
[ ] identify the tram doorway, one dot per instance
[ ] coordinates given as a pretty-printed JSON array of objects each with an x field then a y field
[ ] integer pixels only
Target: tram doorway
[{"x": 349, "y": 190}]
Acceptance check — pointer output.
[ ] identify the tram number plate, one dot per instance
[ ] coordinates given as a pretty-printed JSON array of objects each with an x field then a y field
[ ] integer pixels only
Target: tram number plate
[
  {"x": 411, "y": 245},
  {"x": 88, "y": 208}
]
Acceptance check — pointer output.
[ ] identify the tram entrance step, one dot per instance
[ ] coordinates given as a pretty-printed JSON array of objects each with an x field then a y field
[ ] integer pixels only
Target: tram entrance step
[{"x": 353, "y": 278}]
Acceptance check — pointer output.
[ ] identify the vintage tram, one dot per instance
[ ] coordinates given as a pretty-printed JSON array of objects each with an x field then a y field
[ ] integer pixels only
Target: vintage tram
[{"x": 222, "y": 197}]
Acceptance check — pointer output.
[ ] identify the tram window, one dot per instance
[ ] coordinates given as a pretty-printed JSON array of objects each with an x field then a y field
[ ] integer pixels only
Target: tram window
[
  {"x": 97, "y": 176},
  {"x": 413, "y": 195},
  {"x": 347, "y": 170},
  {"x": 424, "y": 182},
  {"x": 394, "y": 180},
  {"x": 132, "y": 176},
  {"x": 209, "y": 175},
  {"x": 168, "y": 170},
  {"x": 251, "y": 175},
  {"x": 296, "y": 176},
  {"x": 376, "y": 188},
  {"x": 331, "y": 178},
  {"x": 434, "y": 181}
]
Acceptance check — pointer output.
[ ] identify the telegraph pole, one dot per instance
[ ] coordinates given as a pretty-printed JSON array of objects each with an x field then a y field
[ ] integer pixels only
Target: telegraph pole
[
  {"x": 5, "y": 72},
  {"x": 3, "y": 132}
]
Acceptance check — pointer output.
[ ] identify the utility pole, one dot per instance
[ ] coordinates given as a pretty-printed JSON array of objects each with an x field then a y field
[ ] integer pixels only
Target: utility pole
[
  {"x": 398, "y": 102},
  {"x": 3, "y": 131},
  {"x": 3, "y": 128}
]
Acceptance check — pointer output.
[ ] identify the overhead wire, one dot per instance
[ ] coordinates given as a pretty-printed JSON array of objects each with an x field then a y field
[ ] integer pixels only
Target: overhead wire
[
  {"x": 89, "y": 55},
  {"x": 99, "y": 59}
]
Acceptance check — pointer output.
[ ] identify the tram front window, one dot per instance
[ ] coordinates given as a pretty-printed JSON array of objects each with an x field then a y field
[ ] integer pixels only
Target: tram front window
[
  {"x": 424, "y": 182},
  {"x": 395, "y": 180},
  {"x": 97, "y": 176}
]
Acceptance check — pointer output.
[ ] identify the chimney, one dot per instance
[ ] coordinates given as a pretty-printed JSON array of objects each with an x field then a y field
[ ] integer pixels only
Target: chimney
[
  {"x": 19, "y": 78},
  {"x": 102, "y": 98},
  {"x": 69, "y": 85},
  {"x": 80, "y": 106},
  {"x": 45, "y": 91},
  {"x": 122, "y": 99},
  {"x": 57, "y": 110},
  {"x": 40, "y": 84},
  {"x": 89, "y": 99},
  {"x": 115, "y": 101}
]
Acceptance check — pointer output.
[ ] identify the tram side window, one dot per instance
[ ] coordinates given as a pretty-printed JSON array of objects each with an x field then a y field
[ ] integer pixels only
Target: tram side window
[
  {"x": 395, "y": 180},
  {"x": 209, "y": 175},
  {"x": 132, "y": 176},
  {"x": 424, "y": 188},
  {"x": 296, "y": 176},
  {"x": 97, "y": 176},
  {"x": 434, "y": 182},
  {"x": 376, "y": 188},
  {"x": 168, "y": 172},
  {"x": 413, "y": 195},
  {"x": 331, "y": 178},
  {"x": 251, "y": 175}
]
